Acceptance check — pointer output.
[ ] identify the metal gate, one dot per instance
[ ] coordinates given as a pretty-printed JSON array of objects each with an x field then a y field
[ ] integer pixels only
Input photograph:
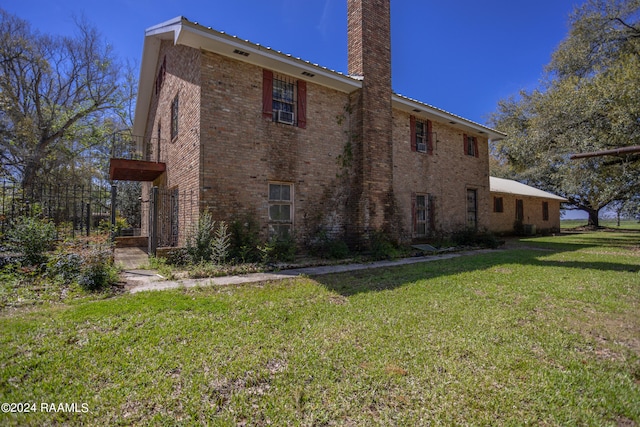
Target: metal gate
[{"x": 164, "y": 214}]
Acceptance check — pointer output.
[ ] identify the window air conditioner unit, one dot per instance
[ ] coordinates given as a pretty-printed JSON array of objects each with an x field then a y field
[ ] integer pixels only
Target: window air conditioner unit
[
  {"x": 422, "y": 147},
  {"x": 285, "y": 117}
]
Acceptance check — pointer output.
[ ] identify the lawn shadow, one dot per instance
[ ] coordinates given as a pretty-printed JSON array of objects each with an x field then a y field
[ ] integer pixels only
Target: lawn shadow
[{"x": 527, "y": 252}]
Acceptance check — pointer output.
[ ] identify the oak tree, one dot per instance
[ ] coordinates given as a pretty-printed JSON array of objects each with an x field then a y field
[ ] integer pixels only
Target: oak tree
[{"x": 589, "y": 101}]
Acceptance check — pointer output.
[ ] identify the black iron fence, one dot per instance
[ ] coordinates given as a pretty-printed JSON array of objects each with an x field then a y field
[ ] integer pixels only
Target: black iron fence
[{"x": 74, "y": 209}]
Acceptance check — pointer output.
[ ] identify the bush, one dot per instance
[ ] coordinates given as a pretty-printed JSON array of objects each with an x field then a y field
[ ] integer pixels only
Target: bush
[
  {"x": 206, "y": 243},
  {"x": 32, "y": 237},
  {"x": 382, "y": 247},
  {"x": 325, "y": 246},
  {"x": 220, "y": 244},
  {"x": 200, "y": 239},
  {"x": 279, "y": 249},
  {"x": 88, "y": 264},
  {"x": 245, "y": 240},
  {"x": 471, "y": 237},
  {"x": 97, "y": 270}
]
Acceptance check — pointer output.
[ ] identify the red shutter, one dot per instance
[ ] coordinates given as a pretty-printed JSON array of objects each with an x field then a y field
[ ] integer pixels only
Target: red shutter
[
  {"x": 412, "y": 125},
  {"x": 429, "y": 138},
  {"x": 475, "y": 146},
  {"x": 466, "y": 146},
  {"x": 267, "y": 94},
  {"x": 432, "y": 213},
  {"x": 302, "y": 104}
]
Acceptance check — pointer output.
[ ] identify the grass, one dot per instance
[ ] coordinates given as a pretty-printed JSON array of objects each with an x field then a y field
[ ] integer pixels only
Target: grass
[
  {"x": 545, "y": 333},
  {"x": 625, "y": 224}
]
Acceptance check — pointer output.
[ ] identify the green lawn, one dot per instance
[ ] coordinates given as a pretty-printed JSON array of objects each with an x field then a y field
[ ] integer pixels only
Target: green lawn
[
  {"x": 547, "y": 333},
  {"x": 625, "y": 224}
]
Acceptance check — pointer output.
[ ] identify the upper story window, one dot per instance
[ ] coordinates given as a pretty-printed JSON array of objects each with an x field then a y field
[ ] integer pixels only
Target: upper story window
[
  {"x": 174, "y": 118},
  {"x": 470, "y": 145},
  {"x": 421, "y": 140},
  {"x": 284, "y": 99}
]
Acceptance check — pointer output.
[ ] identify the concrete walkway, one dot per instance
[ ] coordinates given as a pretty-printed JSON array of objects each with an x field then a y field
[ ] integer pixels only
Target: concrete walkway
[{"x": 145, "y": 280}]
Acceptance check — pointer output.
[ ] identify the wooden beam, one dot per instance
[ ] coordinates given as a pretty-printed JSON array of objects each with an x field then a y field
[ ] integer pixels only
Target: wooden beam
[{"x": 615, "y": 152}]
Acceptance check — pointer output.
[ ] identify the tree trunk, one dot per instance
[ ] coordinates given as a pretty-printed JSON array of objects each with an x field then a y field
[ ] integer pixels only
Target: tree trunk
[
  {"x": 593, "y": 217},
  {"x": 30, "y": 172}
]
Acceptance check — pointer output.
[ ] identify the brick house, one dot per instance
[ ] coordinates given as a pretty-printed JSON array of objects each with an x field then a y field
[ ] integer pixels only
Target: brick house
[
  {"x": 537, "y": 211},
  {"x": 252, "y": 131}
]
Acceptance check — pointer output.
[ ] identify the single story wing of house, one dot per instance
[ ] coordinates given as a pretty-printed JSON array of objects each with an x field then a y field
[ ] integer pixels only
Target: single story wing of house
[{"x": 521, "y": 209}]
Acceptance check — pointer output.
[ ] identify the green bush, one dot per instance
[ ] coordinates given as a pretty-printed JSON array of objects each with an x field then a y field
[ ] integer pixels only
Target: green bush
[
  {"x": 279, "y": 249},
  {"x": 208, "y": 243},
  {"x": 382, "y": 247},
  {"x": 97, "y": 270},
  {"x": 471, "y": 237},
  {"x": 325, "y": 246},
  {"x": 200, "y": 239},
  {"x": 88, "y": 264},
  {"x": 32, "y": 237},
  {"x": 245, "y": 240}
]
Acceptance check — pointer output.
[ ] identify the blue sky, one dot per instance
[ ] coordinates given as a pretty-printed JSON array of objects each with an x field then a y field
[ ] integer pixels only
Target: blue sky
[{"x": 458, "y": 55}]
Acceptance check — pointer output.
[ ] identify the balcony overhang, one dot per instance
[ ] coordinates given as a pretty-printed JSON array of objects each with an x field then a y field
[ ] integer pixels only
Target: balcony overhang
[{"x": 135, "y": 170}]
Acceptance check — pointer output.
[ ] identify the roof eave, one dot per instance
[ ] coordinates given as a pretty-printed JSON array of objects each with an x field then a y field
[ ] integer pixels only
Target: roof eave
[{"x": 413, "y": 106}]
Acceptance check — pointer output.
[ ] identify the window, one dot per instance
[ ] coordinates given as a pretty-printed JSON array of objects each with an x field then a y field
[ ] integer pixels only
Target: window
[
  {"x": 421, "y": 135},
  {"x": 284, "y": 99},
  {"x": 470, "y": 145},
  {"x": 174, "y": 118},
  {"x": 498, "y": 205},
  {"x": 280, "y": 209},
  {"x": 519, "y": 210},
  {"x": 545, "y": 211},
  {"x": 161, "y": 74},
  {"x": 423, "y": 214},
  {"x": 472, "y": 209}
]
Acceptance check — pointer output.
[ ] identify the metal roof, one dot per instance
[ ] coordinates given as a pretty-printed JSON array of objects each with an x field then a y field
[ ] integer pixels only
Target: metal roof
[
  {"x": 508, "y": 186},
  {"x": 184, "y": 32}
]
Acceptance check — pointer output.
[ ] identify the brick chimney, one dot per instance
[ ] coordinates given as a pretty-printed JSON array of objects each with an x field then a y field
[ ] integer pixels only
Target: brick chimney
[{"x": 371, "y": 207}]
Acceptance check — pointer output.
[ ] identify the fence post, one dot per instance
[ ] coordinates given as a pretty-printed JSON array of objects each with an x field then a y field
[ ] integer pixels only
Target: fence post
[
  {"x": 88, "y": 218},
  {"x": 114, "y": 193},
  {"x": 153, "y": 221}
]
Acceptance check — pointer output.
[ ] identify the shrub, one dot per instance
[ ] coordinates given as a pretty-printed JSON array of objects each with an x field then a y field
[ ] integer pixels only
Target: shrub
[
  {"x": 382, "y": 247},
  {"x": 200, "y": 239},
  {"x": 105, "y": 226},
  {"x": 245, "y": 240},
  {"x": 88, "y": 264},
  {"x": 33, "y": 237},
  {"x": 208, "y": 243},
  {"x": 97, "y": 270},
  {"x": 220, "y": 244},
  {"x": 278, "y": 249},
  {"x": 471, "y": 237},
  {"x": 326, "y": 246}
]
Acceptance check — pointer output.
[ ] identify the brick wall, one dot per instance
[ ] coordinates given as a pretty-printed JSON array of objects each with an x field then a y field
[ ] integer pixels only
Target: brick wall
[
  {"x": 446, "y": 174},
  {"x": 182, "y": 153},
  {"x": 503, "y": 222},
  {"x": 243, "y": 152}
]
